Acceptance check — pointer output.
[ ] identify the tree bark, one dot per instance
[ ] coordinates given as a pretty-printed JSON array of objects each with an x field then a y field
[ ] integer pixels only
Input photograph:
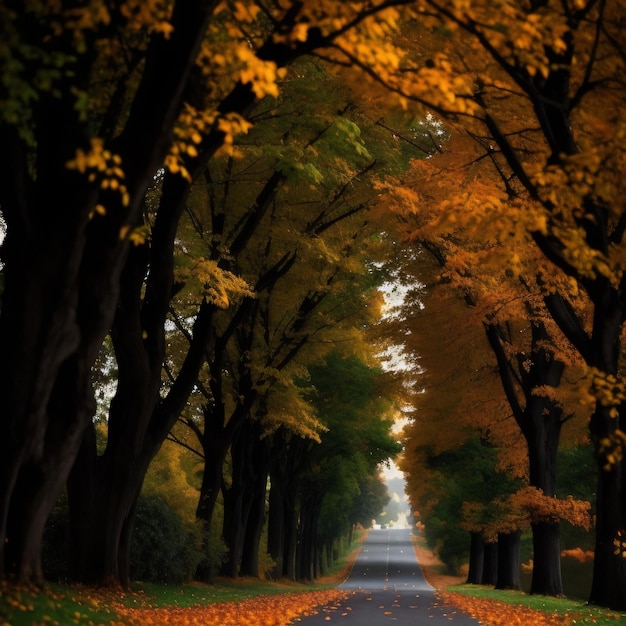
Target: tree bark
[
  {"x": 257, "y": 493},
  {"x": 276, "y": 526},
  {"x": 509, "y": 565},
  {"x": 540, "y": 419},
  {"x": 60, "y": 303},
  {"x": 602, "y": 351},
  {"x": 254, "y": 530},
  {"x": 490, "y": 566},
  {"x": 244, "y": 501},
  {"x": 546, "y": 578},
  {"x": 285, "y": 469},
  {"x": 308, "y": 548},
  {"x": 476, "y": 560},
  {"x": 609, "y": 568}
]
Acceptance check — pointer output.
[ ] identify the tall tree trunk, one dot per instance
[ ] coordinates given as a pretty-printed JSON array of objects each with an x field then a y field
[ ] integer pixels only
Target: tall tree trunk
[
  {"x": 39, "y": 330},
  {"x": 276, "y": 521},
  {"x": 246, "y": 496},
  {"x": 215, "y": 452},
  {"x": 259, "y": 460},
  {"x": 139, "y": 418},
  {"x": 235, "y": 512},
  {"x": 543, "y": 436},
  {"x": 601, "y": 350},
  {"x": 101, "y": 526},
  {"x": 609, "y": 568},
  {"x": 540, "y": 419},
  {"x": 290, "y": 561},
  {"x": 509, "y": 565},
  {"x": 609, "y": 571},
  {"x": 546, "y": 578},
  {"x": 43, "y": 476},
  {"x": 307, "y": 550},
  {"x": 69, "y": 281},
  {"x": 254, "y": 530},
  {"x": 283, "y": 511},
  {"x": 490, "y": 564},
  {"x": 476, "y": 560}
]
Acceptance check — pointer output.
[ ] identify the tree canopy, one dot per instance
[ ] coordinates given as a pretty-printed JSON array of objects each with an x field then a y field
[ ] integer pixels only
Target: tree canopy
[{"x": 179, "y": 185}]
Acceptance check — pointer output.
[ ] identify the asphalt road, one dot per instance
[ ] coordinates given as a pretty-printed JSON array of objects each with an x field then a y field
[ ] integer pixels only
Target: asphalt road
[{"x": 389, "y": 588}]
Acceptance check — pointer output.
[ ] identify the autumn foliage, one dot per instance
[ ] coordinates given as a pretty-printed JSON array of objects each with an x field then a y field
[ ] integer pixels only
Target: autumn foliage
[
  {"x": 278, "y": 610},
  {"x": 497, "y": 613},
  {"x": 109, "y": 606}
]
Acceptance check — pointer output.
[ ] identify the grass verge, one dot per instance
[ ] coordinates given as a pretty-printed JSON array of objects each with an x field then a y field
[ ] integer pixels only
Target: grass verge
[
  {"x": 509, "y": 608},
  {"x": 75, "y": 605}
]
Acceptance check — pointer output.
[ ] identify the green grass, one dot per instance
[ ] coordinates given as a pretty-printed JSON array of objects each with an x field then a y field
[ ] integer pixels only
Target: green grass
[
  {"x": 78, "y": 606},
  {"x": 579, "y": 611},
  {"x": 81, "y": 606},
  {"x": 194, "y": 594},
  {"x": 56, "y": 605}
]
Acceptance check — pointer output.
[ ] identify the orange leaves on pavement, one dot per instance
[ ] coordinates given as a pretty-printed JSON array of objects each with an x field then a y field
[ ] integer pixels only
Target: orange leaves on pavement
[{"x": 278, "y": 610}]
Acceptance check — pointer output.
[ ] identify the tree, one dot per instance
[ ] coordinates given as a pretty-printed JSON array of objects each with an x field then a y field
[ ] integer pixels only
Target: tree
[
  {"x": 530, "y": 362},
  {"x": 74, "y": 117},
  {"x": 557, "y": 62},
  {"x": 352, "y": 400},
  {"x": 526, "y": 362},
  {"x": 305, "y": 240}
]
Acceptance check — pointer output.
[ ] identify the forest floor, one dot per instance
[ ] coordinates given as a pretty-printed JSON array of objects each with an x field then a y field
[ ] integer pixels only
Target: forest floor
[{"x": 260, "y": 603}]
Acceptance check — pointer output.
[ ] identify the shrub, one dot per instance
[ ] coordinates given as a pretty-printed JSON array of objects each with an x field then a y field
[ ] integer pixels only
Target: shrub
[{"x": 163, "y": 549}]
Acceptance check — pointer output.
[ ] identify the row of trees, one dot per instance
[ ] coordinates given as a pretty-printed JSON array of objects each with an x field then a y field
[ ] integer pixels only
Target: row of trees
[
  {"x": 98, "y": 99},
  {"x": 293, "y": 228},
  {"x": 533, "y": 167},
  {"x": 217, "y": 275},
  {"x": 473, "y": 489}
]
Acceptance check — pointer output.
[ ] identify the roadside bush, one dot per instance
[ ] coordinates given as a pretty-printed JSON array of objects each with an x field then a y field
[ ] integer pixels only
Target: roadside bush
[
  {"x": 214, "y": 553},
  {"x": 163, "y": 549}
]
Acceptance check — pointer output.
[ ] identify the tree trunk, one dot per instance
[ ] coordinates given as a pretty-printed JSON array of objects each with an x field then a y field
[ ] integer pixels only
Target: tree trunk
[
  {"x": 42, "y": 478},
  {"x": 490, "y": 564},
  {"x": 509, "y": 565},
  {"x": 540, "y": 419},
  {"x": 246, "y": 495},
  {"x": 307, "y": 550},
  {"x": 39, "y": 329},
  {"x": 61, "y": 268},
  {"x": 102, "y": 504},
  {"x": 543, "y": 439},
  {"x": 103, "y": 490},
  {"x": 476, "y": 560},
  {"x": 290, "y": 562},
  {"x": 283, "y": 513},
  {"x": 257, "y": 494},
  {"x": 236, "y": 511},
  {"x": 236, "y": 502},
  {"x": 546, "y": 560},
  {"x": 276, "y": 522},
  {"x": 609, "y": 568},
  {"x": 254, "y": 530},
  {"x": 215, "y": 452}
]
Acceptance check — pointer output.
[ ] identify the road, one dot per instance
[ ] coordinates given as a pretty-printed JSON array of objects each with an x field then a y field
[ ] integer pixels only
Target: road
[{"x": 389, "y": 589}]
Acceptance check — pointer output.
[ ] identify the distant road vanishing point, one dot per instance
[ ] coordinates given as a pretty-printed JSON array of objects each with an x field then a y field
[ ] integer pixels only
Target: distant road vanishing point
[{"x": 389, "y": 589}]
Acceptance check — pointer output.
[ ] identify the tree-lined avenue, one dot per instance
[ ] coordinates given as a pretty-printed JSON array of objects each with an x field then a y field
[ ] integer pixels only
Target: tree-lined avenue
[{"x": 388, "y": 587}]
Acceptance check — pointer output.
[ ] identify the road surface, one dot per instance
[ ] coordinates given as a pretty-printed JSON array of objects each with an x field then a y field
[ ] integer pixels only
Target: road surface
[{"x": 389, "y": 589}]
